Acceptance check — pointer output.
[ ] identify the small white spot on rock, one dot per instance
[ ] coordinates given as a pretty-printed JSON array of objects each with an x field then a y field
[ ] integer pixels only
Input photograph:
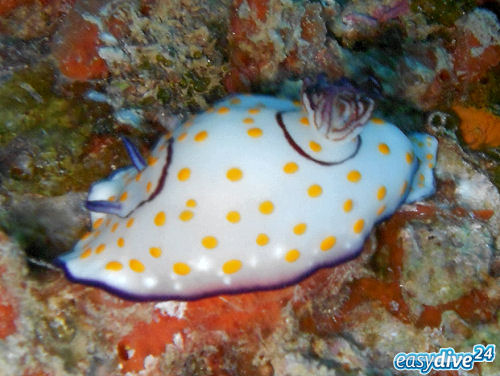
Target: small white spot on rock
[
  {"x": 178, "y": 340},
  {"x": 172, "y": 308},
  {"x": 150, "y": 363}
]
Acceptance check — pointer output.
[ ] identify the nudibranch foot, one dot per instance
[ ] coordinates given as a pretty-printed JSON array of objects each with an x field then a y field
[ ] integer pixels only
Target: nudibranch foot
[{"x": 255, "y": 193}]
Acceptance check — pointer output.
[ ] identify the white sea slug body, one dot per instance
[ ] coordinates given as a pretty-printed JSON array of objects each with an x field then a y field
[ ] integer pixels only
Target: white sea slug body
[{"x": 253, "y": 194}]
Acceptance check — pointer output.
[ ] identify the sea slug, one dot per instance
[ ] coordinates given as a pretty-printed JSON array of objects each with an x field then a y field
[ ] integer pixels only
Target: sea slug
[{"x": 255, "y": 193}]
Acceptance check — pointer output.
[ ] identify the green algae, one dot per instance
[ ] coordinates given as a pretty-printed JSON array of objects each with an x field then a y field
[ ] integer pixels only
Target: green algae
[
  {"x": 492, "y": 87},
  {"x": 493, "y": 169},
  {"x": 49, "y": 130},
  {"x": 444, "y": 12},
  {"x": 185, "y": 92}
]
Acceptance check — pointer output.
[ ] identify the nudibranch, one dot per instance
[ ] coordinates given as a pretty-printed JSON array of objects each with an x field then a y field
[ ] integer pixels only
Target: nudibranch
[{"x": 255, "y": 193}]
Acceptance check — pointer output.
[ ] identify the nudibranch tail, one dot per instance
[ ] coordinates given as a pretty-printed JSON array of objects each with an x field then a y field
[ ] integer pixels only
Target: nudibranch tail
[
  {"x": 134, "y": 154},
  {"x": 425, "y": 149},
  {"x": 337, "y": 110}
]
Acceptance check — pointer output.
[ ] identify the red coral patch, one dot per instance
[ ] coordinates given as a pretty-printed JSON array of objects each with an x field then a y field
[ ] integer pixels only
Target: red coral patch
[
  {"x": 76, "y": 51},
  {"x": 247, "y": 315},
  {"x": 7, "y": 316}
]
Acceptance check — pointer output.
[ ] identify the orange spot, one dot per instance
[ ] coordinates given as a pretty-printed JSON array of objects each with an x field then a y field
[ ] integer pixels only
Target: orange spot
[
  {"x": 381, "y": 192},
  {"x": 409, "y": 157},
  {"x": 182, "y": 136},
  {"x": 262, "y": 239},
  {"x": 155, "y": 252},
  {"x": 328, "y": 243},
  {"x": 299, "y": 229},
  {"x": 358, "y": 226},
  {"x": 266, "y": 207},
  {"x": 231, "y": 266},
  {"x": 115, "y": 226},
  {"x": 403, "y": 188},
  {"x": 304, "y": 121},
  {"x": 234, "y": 174},
  {"x": 381, "y": 210},
  {"x": 98, "y": 223},
  {"x": 292, "y": 255},
  {"x": 233, "y": 216},
  {"x": 255, "y": 132},
  {"x": 120, "y": 242},
  {"x": 254, "y": 111},
  {"x": 181, "y": 268},
  {"x": 383, "y": 148},
  {"x": 290, "y": 167},
  {"x": 235, "y": 101},
  {"x": 138, "y": 176},
  {"x": 223, "y": 110},
  {"x": 149, "y": 186},
  {"x": 354, "y": 176},
  {"x": 191, "y": 203},
  {"x": 130, "y": 222},
  {"x": 209, "y": 242},
  {"x": 160, "y": 218},
  {"x": 184, "y": 174},
  {"x": 314, "y": 146},
  {"x": 114, "y": 266},
  {"x": 314, "y": 190},
  {"x": 201, "y": 136},
  {"x": 124, "y": 196},
  {"x": 136, "y": 266},
  {"x": 377, "y": 121},
  {"x": 100, "y": 248},
  {"x": 348, "y": 204},
  {"x": 86, "y": 253},
  {"x": 186, "y": 215},
  {"x": 248, "y": 120},
  {"x": 152, "y": 160}
]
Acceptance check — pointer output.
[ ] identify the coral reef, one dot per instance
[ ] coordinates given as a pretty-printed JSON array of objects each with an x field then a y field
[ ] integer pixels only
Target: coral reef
[
  {"x": 76, "y": 75},
  {"x": 32, "y": 19},
  {"x": 156, "y": 53}
]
